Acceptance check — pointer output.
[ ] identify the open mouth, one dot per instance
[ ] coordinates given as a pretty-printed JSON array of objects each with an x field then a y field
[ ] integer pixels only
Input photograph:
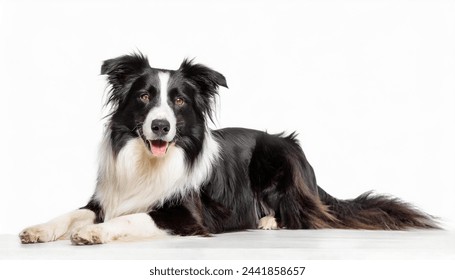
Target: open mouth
[{"x": 158, "y": 147}]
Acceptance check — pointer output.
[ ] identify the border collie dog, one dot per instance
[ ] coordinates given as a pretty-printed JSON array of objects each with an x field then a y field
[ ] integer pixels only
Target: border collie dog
[{"x": 163, "y": 171}]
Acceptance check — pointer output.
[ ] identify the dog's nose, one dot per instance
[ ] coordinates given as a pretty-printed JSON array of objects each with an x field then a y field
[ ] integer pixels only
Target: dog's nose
[{"x": 161, "y": 127}]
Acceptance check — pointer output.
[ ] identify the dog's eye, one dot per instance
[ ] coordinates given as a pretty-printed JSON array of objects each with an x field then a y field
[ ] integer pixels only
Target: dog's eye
[
  {"x": 179, "y": 101},
  {"x": 145, "y": 97}
]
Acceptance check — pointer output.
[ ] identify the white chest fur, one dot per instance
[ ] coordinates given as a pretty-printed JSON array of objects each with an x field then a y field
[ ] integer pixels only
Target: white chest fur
[{"x": 133, "y": 182}]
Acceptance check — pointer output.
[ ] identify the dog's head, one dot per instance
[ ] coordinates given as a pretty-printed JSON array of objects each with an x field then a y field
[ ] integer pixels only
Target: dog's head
[{"x": 163, "y": 107}]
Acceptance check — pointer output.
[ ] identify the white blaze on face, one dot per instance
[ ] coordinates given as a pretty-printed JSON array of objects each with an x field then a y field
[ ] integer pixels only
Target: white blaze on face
[{"x": 161, "y": 111}]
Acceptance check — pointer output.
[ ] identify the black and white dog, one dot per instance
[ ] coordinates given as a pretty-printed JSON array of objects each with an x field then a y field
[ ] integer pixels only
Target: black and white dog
[{"x": 163, "y": 171}]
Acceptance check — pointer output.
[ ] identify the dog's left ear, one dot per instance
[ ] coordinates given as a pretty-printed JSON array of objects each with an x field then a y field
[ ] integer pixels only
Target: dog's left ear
[
  {"x": 121, "y": 72},
  {"x": 207, "y": 82},
  {"x": 207, "y": 79}
]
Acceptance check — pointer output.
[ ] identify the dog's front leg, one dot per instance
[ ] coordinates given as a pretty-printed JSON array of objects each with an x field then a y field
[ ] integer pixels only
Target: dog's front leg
[
  {"x": 131, "y": 227},
  {"x": 58, "y": 228}
]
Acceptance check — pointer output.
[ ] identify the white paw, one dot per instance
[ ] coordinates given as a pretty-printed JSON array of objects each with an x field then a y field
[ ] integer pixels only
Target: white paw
[
  {"x": 267, "y": 222},
  {"x": 89, "y": 235},
  {"x": 39, "y": 233}
]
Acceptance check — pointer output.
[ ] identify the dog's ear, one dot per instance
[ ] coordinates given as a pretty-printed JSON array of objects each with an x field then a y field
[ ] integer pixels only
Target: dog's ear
[
  {"x": 121, "y": 72},
  {"x": 207, "y": 79},
  {"x": 206, "y": 82}
]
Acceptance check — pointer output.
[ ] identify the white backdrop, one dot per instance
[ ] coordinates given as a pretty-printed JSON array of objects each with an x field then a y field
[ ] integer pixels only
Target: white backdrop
[{"x": 369, "y": 86}]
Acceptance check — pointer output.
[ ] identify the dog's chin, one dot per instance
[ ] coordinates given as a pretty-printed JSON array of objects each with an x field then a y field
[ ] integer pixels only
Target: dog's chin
[{"x": 158, "y": 148}]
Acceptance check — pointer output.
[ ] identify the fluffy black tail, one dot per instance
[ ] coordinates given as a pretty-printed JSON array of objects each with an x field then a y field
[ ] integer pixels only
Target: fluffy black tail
[{"x": 376, "y": 212}]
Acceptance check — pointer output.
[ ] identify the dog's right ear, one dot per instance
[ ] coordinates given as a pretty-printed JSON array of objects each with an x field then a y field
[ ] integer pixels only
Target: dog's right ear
[{"x": 121, "y": 72}]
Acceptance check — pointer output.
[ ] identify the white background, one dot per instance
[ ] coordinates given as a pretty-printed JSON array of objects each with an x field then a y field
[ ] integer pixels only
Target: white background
[{"x": 369, "y": 86}]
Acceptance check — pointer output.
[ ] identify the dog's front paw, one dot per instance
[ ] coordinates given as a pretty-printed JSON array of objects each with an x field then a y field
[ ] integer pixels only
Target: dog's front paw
[
  {"x": 89, "y": 235},
  {"x": 268, "y": 222},
  {"x": 35, "y": 234}
]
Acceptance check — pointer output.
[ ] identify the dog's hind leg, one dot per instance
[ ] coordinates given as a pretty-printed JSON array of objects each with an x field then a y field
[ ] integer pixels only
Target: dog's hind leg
[
  {"x": 284, "y": 181},
  {"x": 268, "y": 222}
]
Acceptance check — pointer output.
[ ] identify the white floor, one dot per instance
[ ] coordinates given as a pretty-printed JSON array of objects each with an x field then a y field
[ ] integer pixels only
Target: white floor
[{"x": 258, "y": 244}]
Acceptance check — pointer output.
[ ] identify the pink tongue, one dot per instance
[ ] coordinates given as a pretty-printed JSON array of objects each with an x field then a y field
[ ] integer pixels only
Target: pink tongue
[{"x": 159, "y": 147}]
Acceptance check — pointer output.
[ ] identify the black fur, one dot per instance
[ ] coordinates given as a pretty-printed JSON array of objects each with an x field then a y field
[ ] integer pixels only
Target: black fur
[{"x": 256, "y": 174}]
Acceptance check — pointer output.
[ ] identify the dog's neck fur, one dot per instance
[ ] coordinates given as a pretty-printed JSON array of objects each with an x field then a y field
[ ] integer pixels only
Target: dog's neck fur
[{"x": 133, "y": 181}]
